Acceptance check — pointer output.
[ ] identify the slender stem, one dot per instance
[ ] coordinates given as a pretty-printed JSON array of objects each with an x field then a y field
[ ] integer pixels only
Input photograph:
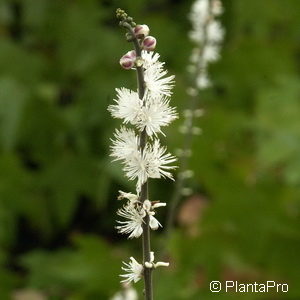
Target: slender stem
[
  {"x": 184, "y": 161},
  {"x": 188, "y": 142},
  {"x": 144, "y": 189}
]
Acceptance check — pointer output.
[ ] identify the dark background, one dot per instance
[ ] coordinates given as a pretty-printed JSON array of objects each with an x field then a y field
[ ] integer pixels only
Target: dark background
[{"x": 59, "y": 66}]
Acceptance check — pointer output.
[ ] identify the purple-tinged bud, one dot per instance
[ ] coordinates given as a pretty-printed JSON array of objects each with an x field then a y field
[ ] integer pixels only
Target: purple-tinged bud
[
  {"x": 130, "y": 54},
  {"x": 141, "y": 30},
  {"x": 149, "y": 43},
  {"x": 127, "y": 61}
]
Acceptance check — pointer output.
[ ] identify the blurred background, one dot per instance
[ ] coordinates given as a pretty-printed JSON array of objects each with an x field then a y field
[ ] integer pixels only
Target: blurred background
[{"x": 59, "y": 66}]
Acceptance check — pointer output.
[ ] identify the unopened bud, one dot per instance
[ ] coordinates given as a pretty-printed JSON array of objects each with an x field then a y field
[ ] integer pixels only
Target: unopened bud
[
  {"x": 131, "y": 54},
  {"x": 159, "y": 204},
  {"x": 148, "y": 265},
  {"x": 141, "y": 30},
  {"x": 127, "y": 61},
  {"x": 129, "y": 37},
  {"x": 149, "y": 43},
  {"x": 161, "y": 264}
]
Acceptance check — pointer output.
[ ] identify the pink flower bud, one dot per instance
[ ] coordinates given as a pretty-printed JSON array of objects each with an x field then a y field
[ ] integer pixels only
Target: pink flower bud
[
  {"x": 131, "y": 54},
  {"x": 141, "y": 30},
  {"x": 149, "y": 43},
  {"x": 127, "y": 61}
]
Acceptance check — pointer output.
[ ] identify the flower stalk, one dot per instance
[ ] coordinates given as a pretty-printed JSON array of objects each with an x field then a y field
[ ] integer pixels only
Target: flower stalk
[
  {"x": 144, "y": 189},
  {"x": 142, "y": 155}
]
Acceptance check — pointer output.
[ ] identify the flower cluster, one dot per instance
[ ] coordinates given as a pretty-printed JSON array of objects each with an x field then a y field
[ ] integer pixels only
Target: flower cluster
[
  {"x": 138, "y": 147},
  {"x": 207, "y": 33}
]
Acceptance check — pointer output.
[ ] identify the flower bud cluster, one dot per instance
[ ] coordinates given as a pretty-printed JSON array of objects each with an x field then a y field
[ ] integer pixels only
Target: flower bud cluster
[
  {"x": 124, "y": 18},
  {"x": 146, "y": 42}
]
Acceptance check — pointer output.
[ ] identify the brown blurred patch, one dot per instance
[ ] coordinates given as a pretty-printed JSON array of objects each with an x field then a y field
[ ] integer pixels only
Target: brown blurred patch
[
  {"x": 190, "y": 213},
  {"x": 28, "y": 294}
]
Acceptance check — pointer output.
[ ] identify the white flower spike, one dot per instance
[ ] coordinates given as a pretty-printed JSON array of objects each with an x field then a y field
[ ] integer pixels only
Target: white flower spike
[{"x": 138, "y": 148}]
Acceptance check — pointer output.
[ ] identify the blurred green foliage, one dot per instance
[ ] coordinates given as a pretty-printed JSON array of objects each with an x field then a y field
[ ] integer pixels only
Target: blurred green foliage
[{"x": 58, "y": 70}]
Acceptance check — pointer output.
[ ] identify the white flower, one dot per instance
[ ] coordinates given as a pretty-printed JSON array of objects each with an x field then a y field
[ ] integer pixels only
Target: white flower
[
  {"x": 153, "y": 222},
  {"x": 207, "y": 33},
  {"x": 152, "y": 163},
  {"x": 203, "y": 81},
  {"x": 134, "y": 223},
  {"x": 199, "y": 12},
  {"x": 149, "y": 58},
  {"x": 158, "y": 161},
  {"x": 149, "y": 209},
  {"x": 134, "y": 271},
  {"x": 125, "y": 144},
  {"x": 156, "y": 82},
  {"x": 128, "y": 106},
  {"x": 131, "y": 197},
  {"x": 155, "y": 114},
  {"x": 210, "y": 53},
  {"x": 128, "y": 294},
  {"x": 199, "y": 15},
  {"x": 215, "y": 32},
  {"x": 154, "y": 75},
  {"x": 135, "y": 214}
]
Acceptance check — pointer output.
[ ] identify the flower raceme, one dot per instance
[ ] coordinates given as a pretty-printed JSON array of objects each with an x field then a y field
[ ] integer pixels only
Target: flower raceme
[
  {"x": 150, "y": 114},
  {"x": 147, "y": 111}
]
